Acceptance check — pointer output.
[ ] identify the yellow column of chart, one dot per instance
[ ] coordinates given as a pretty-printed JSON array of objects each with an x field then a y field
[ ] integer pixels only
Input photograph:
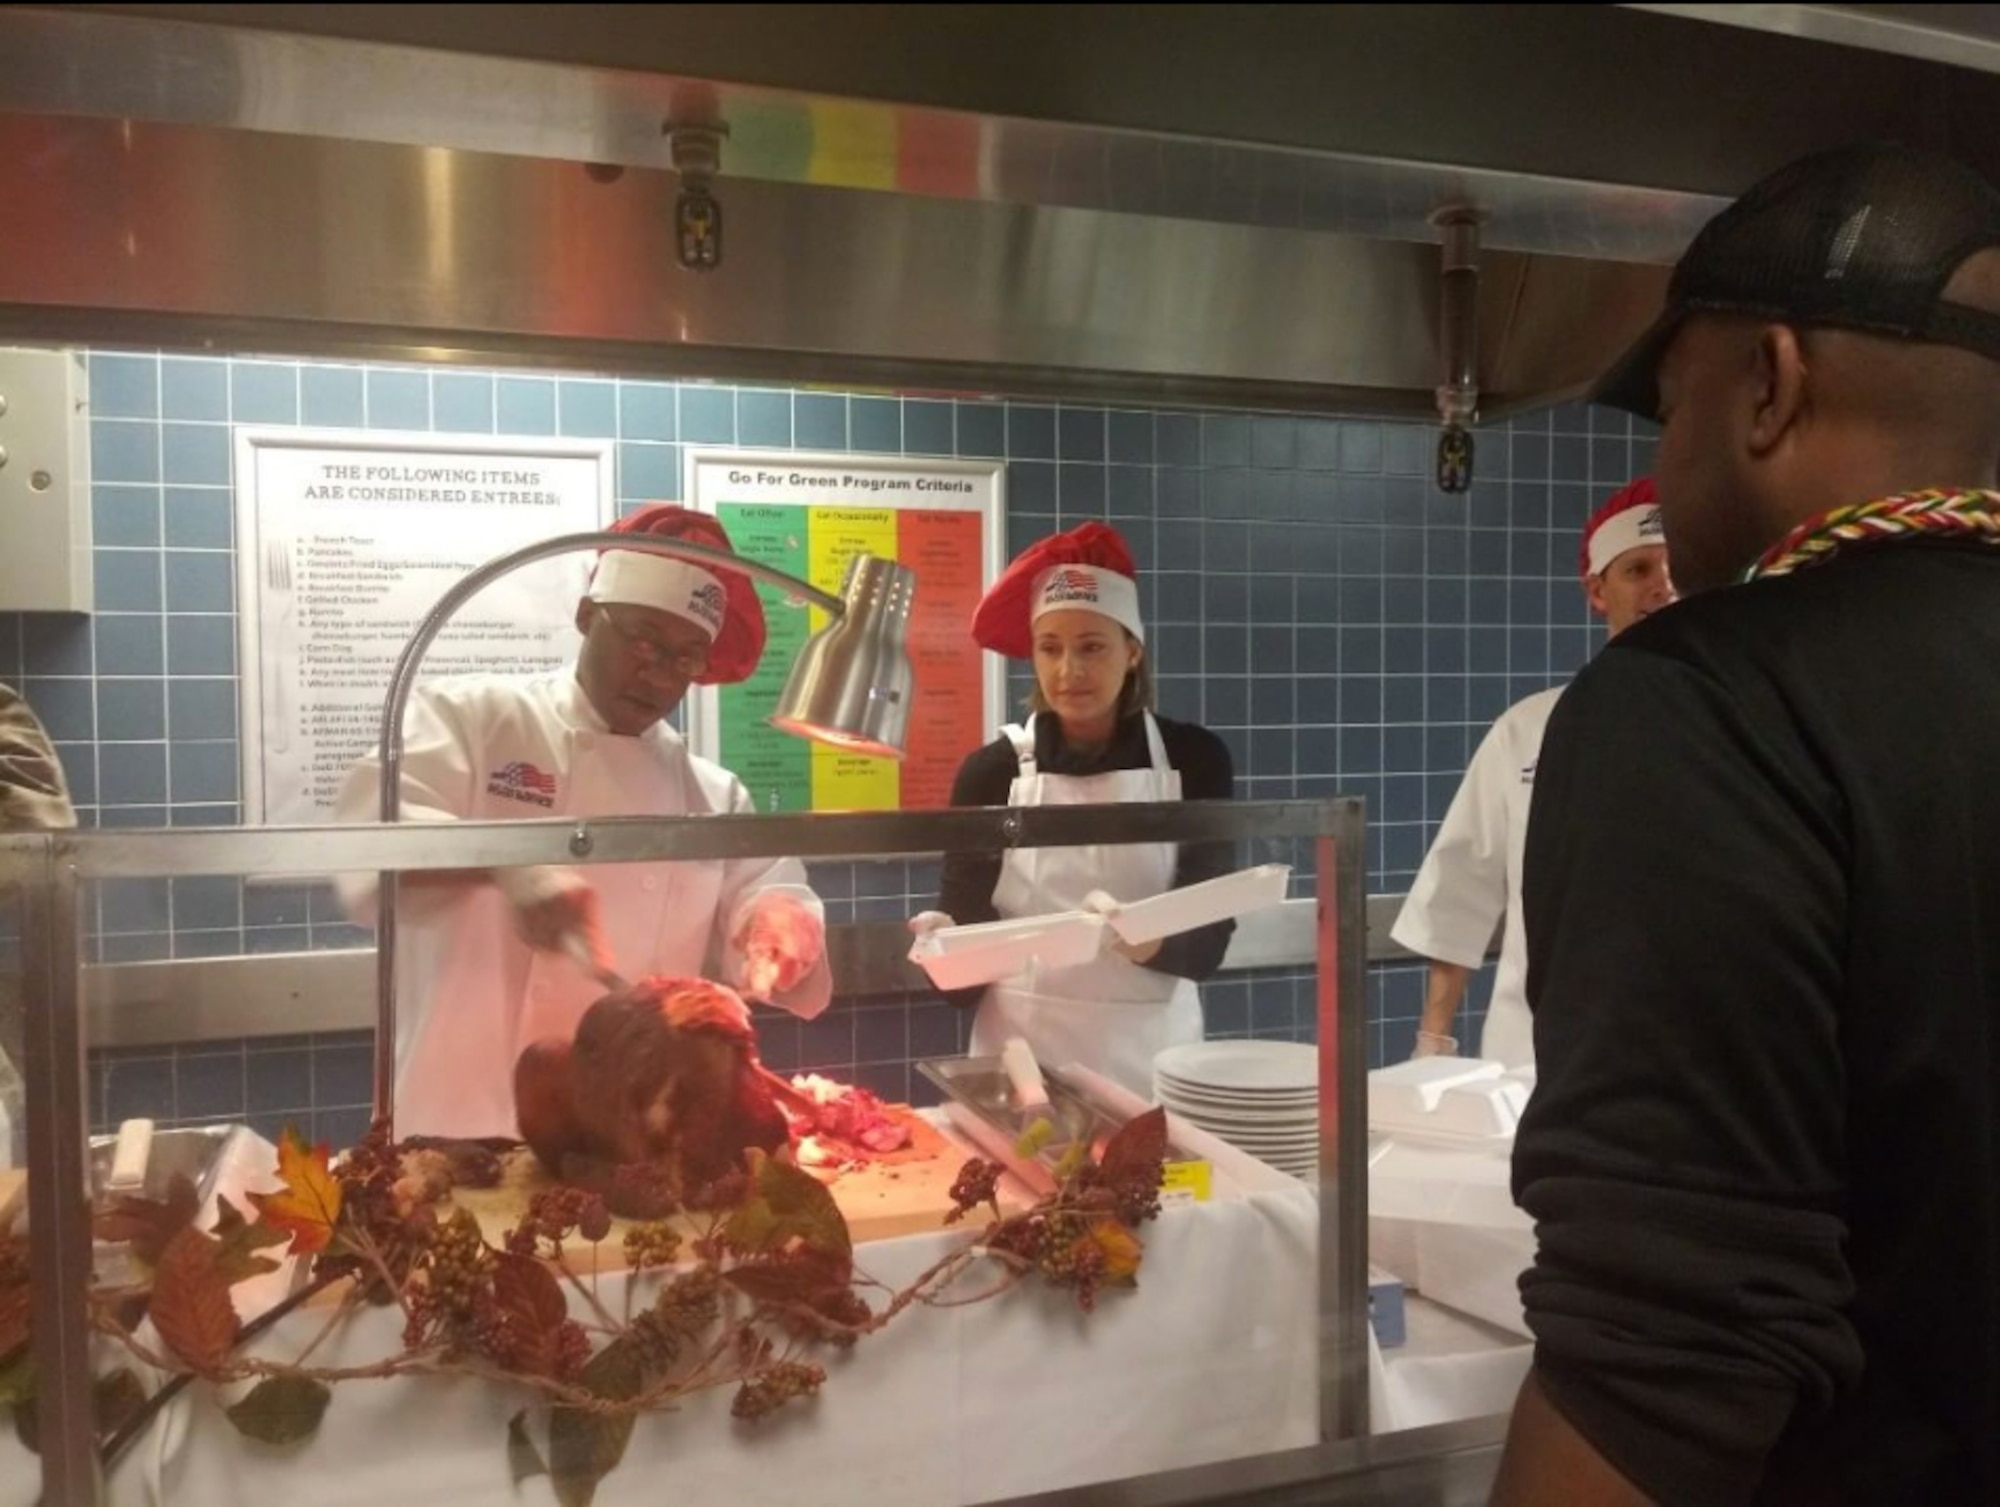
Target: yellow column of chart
[{"x": 845, "y": 781}]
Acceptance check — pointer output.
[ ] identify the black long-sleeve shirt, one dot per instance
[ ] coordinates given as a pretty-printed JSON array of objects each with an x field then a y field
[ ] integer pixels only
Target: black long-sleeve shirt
[
  {"x": 1762, "y": 895},
  {"x": 1202, "y": 760}
]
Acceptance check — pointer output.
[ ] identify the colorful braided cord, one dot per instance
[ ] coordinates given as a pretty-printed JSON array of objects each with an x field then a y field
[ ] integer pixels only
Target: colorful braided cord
[{"x": 1936, "y": 514}]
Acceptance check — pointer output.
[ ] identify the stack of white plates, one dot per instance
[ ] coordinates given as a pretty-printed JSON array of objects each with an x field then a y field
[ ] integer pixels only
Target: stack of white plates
[{"x": 1261, "y": 1096}]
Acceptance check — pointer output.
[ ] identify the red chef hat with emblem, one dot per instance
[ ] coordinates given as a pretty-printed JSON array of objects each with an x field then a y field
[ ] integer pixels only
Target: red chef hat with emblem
[
  {"x": 1088, "y": 567},
  {"x": 723, "y": 602},
  {"x": 1629, "y": 519}
]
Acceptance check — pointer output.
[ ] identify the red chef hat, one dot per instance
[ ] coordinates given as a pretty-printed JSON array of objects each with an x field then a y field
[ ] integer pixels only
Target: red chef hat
[
  {"x": 723, "y": 602},
  {"x": 1629, "y": 519},
  {"x": 1088, "y": 567}
]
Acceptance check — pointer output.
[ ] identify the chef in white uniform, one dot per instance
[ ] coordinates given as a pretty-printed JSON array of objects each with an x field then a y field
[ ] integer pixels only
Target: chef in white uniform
[
  {"x": 1070, "y": 605},
  {"x": 1471, "y": 877},
  {"x": 489, "y": 961}
]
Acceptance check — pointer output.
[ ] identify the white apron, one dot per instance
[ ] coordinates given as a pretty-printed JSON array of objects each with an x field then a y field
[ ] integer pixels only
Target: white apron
[
  {"x": 1110, "y": 1014},
  {"x": 456, "y": 1077},
  {"x": 661, "y": 911}
]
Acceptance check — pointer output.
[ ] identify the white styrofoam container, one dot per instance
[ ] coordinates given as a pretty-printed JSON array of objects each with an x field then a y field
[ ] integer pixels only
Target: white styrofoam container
[
  {"x": 1446, "y": 1223},
  {"x": 957, "y": 957},
  {"x": 1219, "y": 899},
  {"x": 1451, "y": 1099},
  {"x": 1443, "y": 1186},
  {"x": 1392, "y": 1246},
  {"x": 1418, "y": 1085},
  {"x": 1476, "y": 1271}
]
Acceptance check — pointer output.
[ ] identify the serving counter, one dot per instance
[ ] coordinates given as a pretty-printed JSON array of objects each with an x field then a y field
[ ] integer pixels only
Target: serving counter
[
  {"x": 1206, "y": 1361},
  {"x": 1247, "y": 1334}
]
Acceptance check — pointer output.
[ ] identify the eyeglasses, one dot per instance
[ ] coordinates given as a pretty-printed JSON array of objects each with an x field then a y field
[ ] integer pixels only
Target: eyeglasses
[{"x": 654, "y": 652}]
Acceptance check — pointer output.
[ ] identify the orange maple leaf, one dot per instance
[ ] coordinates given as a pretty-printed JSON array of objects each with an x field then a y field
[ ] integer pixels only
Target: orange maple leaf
[
  {"x": 310, "y": 1205},
  {"x": 1122, "y": 1251}
]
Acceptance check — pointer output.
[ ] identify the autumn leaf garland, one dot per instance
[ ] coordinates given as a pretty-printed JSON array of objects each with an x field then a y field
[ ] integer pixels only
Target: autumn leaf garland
[{"x": 770, "y": 1278}]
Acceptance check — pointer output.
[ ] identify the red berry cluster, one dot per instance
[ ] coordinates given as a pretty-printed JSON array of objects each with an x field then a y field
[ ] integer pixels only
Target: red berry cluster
[
  {"x": 452, "y": 1285},
  {"x": 774, "y": 1386},
  {"x": 555, "y": 1213},
  {"x": 978, "y": 1182}
]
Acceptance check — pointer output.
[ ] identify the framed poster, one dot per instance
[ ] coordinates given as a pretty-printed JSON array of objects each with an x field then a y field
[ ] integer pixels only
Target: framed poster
[
  {"x": 808, "y": 515},
  {"x": 345, "y": 540}
]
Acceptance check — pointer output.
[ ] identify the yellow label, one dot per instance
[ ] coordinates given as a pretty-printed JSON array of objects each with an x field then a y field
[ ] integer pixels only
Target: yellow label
[
  {"x": 853, "y": 782},
  {"x": 853, "y": 145},
  {"x": 1186, "y": 1182}
]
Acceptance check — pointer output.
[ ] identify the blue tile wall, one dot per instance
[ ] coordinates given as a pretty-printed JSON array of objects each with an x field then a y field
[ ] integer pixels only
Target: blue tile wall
[{"x": 1343, "y": 626}]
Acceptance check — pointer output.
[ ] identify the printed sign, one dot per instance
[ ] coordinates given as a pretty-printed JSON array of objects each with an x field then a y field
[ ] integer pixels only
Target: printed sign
[
  {"x": 809, "y": 515},
  {"x": 345, "y": 542}
]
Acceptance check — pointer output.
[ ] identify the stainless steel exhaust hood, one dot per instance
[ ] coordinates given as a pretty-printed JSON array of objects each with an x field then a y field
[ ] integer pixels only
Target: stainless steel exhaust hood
[{"x": 1227, "y": 205}]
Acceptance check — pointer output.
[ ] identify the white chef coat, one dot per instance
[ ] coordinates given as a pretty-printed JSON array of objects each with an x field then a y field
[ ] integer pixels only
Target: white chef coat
[
  {"x": 1472, "y": 875},
  {"x": 470, "y": 993},
  {"x": 1110, "y": 1014}
]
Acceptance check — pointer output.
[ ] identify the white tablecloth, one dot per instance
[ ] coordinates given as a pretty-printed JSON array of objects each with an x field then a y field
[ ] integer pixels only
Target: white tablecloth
[
  {"x": 1445, "y": 1223},
  {"x": 1450, "y": 1367},
  {"x": 1213, "y": 1358}
]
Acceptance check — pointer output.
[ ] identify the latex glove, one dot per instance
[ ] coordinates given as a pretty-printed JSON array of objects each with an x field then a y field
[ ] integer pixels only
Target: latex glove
[
  {"x": 1431, "y": 1044},
  {"x": 698, "y": 1005},
  {"x": 923, "y": 923},
  {"x": 553, "y": 905},
  {"x": 1100, "y": 903},
  {"x": 781, "y": 941}
]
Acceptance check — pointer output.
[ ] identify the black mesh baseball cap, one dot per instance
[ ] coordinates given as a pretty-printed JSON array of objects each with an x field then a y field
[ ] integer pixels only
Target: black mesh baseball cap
[{"x": 1859, "y": 237}]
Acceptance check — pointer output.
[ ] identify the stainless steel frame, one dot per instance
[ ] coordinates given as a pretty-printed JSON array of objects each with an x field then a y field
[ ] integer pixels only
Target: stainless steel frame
[
  {"x": 1445, "y": 1465},
  {"x": 1965, "y": 36},
  {"x": 50, "y": 868},
  {"x": 58, "y": 1150},
  {"x": 1144, "y": 141},
  {"x": 1204, "y": 204},
  {"x": 185, "y": 1001},
  {"x": 1195, "y": 250}
]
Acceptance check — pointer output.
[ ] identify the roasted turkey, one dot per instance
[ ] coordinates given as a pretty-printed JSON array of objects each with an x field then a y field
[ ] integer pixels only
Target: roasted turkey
[{"x": 656, "y": 1098}]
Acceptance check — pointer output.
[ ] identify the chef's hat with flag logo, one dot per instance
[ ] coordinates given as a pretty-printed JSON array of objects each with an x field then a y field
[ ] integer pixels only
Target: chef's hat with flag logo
[
  {"x": 1088, "y": 567},
  {"x": 721, "y": 602},
  {"x": 1629, "y": 519}
]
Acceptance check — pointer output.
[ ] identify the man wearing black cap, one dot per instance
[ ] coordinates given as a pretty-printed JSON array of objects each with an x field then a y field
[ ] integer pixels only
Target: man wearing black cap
[{"x": 1764, "y": 1151}]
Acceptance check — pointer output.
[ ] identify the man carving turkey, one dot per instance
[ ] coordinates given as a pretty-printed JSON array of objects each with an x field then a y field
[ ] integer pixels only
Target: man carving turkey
[{"x": 490, "y": 961}]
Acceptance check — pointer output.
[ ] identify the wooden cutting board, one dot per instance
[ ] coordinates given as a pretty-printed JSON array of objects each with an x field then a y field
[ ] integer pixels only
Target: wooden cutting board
[{"x": 906, "y": 1193}]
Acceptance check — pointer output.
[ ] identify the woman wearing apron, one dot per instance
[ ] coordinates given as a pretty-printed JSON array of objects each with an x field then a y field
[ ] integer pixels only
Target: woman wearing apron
[{"x": 1070, "y": 605}]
